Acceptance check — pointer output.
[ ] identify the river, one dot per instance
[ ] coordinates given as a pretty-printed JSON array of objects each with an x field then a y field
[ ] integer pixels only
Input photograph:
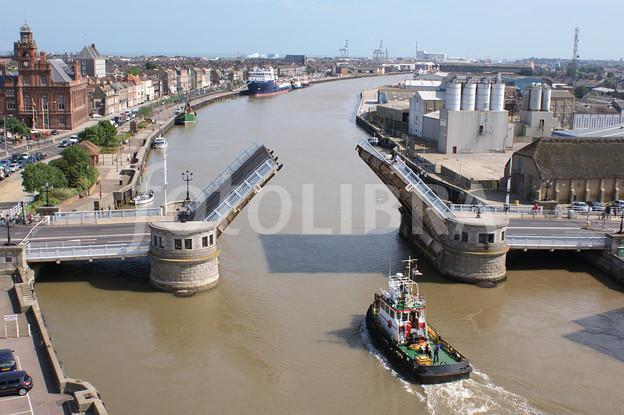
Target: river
[{"x": 282, "y": 333}]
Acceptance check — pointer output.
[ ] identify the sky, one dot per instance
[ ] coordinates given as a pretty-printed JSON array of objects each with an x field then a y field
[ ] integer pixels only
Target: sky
[{"x": 495, "y": 29}]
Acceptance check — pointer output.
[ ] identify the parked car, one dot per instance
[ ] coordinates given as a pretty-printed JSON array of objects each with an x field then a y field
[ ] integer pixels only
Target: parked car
[
  {"x": 64, "y": 143},
  {"x": 74, "y": 139},
  {"x": 2, "y": 173},
  {"x": 7, "y": 360},
  {"x": 96, "y": 116},
  {"x": 16, "y": 382},
  {"x": 618, "y": 204},
  {"x": 580, "y": 206},
  {"x": 595, "y": 206},
  {"x": 13, "y": 167},
  {"x": 40, "y": 155}
]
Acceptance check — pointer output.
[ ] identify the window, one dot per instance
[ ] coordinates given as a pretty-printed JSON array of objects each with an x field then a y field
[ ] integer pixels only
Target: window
[
  {"x": 177, "y": 243},
  {"x": 61, "y": 102},
  {"x": 456, "y": 237},
  {"x": 61, "y": 119},
  {"x": 204, "y": 241},
  {"x": 481, "y": 130},
  {"x": 11, "y": 104},
  {"x": 26, "y": 80},
  {"x": 44, "y": 79},
  {"x": 464, "y": 236},
  {"x": 155, "y": 240},
  {"x": 454, "y": 149},
  {"x": 502, "y": 235},
  {"x": 44, "y": 102},
  {"x": 211, "y": 240},
  {"x": 188, "y": 244},
  {"x": 160, "y": 242},
  {"x": 9, "y": 92},
  {"x": 541, "y": 124},
  {"x": 27, "y": 103},
  {"x": 485, "y": 238}
]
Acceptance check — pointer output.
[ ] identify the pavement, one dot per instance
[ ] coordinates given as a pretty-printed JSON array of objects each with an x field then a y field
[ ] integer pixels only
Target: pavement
[{"x": 41, "y": 399}]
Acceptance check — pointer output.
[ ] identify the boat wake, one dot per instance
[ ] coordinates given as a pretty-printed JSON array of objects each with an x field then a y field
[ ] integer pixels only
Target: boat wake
[{"x": 477, "y": 395}]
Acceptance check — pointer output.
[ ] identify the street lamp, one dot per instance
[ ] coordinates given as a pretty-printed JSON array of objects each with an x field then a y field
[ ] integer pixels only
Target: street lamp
[
  {"x": 47, "y": 188},
  {"x": 187, "y": 176},
  {"x": 6, "y": 221}
]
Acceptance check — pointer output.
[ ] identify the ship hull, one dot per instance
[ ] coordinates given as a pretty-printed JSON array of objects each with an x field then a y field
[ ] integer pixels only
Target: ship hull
[
  {"x": 265, "y": 89},
  {"x": 419, "y": 373},
  {"x": 185, "y": 118}
]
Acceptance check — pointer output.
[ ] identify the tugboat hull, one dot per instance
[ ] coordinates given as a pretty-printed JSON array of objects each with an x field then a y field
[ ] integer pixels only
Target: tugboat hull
[{"x": 424, "y": 374}]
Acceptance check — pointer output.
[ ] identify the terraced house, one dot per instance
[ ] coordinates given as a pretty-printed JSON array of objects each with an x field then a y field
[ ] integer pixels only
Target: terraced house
[{"x": 44, "y": 94}]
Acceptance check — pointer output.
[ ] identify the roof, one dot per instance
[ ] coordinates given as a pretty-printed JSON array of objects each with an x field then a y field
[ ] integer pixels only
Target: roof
[
  {"x": 616, "y": 131},
  {"x": 603, "y": 90},
  {"x": 3, "y": 78},
  {"x": 91, "y": 148},
  {"x": 561, "y": 93},
  {"x": 396, "y": 105},
  {"x": 431, "y": 95},
  {"x": 577, "y": 158},
  {"x": 397, "y": 94},
  {"x": 587, "y": 108},
  {"x": 60, "y": 71},
  {"x": 89, "y": 52}
]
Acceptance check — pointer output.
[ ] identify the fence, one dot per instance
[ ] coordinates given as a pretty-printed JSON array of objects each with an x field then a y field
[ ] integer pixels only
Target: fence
[
  {"x": 43, "y": 253},
  {"x": 556, "y": 242},
  {"x": 94, "y": 215}
]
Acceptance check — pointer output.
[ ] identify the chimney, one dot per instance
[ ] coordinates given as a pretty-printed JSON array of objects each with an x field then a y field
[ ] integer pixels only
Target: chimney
[
  {"x": 42, "y": 58},
  {"x": 93, "y": 45},
  {"x": 76, "y": 70}
]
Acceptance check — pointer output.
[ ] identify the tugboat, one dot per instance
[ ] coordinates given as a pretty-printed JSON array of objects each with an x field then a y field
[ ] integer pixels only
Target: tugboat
[
  {"x": 160, "y": 143},
  {"x": 397, "y": 324},
  {"x": 185, "y": 116}
]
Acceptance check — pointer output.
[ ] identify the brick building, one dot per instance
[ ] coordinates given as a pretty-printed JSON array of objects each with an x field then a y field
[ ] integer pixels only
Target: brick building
[{"x": 43, "y": 94}]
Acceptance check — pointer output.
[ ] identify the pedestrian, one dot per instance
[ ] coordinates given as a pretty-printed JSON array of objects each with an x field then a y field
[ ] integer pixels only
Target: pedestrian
[
  {"x": 436, "y": 352},
  {"x": 608, "y": 211}
]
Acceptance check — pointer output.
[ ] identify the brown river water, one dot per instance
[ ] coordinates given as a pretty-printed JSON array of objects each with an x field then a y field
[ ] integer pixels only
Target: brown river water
[{"x": 282, "y": 333}]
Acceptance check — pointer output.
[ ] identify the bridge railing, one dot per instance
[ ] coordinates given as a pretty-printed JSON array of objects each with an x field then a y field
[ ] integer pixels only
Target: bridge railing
[
  {"x": 225, "y": 174},
  {"x": 41, "y": 253},
  {"x": 415, "y": 183},
  {"x": 94, "y": 215},
  {"x": 242, "y": 191},
  {"x": 556, "y": 242},
  {"x": 512, "y": 209}
]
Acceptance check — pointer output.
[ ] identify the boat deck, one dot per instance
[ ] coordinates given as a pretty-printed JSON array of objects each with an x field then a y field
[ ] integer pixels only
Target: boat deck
[{"x": 444, "y": 357}]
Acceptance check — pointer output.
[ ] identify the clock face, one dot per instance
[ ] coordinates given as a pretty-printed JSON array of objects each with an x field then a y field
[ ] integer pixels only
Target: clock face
[{"x": 25, "y": 64}]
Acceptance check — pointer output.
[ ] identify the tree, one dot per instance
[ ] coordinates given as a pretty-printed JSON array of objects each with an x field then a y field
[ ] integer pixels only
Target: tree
[
  {"x": 102, "y": 134},
  {"x": 146, "y": 111},
  {"x": 76, "y": 164},
  {"x": 133, "y": 71},
  {"x": 35, "y": 176},
  {"x": 16, "y": 126},
  {"x": 150, "y": 66},
  {"x": 580, "y": 91}
]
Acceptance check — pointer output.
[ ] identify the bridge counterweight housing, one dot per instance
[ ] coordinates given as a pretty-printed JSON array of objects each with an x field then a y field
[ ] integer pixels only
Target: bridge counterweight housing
[{"x": 184, "y": 256}]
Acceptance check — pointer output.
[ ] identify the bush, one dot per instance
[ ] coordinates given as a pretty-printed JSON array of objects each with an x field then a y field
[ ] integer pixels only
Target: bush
[
  {"x": 146, "y": 111},
  {"x": 142, "y": 125},
  {"x": 35, "y": 176},
  {"x": 76, "y": 164},
  {"x": 103, "y": 134}
]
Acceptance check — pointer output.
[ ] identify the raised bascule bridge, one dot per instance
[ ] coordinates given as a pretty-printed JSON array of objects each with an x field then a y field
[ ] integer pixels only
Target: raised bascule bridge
[
  {"x": 182, "y": 246},
  {"x": 470, "y": 243}
]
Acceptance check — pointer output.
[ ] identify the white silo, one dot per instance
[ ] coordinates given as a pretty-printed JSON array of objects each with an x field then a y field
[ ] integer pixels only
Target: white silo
[
  {"x": 453, "y": 95},
  {"x": 536, "y": 97},
  {"x": 546, "y": 98},
  {"x": 469, "y": 96},
  {"x": 497, "y": 102},
  {"x": 483, "y": 95}
]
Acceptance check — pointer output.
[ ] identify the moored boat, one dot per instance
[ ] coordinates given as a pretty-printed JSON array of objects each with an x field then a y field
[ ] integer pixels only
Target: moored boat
[
  {"x": 160, "y": 143},
  {"x": 144, "y": 198},
  {"x": 185, "y": 116},
  {"x": 397, "y": 324},
  {"x": 296, "y": 84},
  {"x": 262, "y": 82}
]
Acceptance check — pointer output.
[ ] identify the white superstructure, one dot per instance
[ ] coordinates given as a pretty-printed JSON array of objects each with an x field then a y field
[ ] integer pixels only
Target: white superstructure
[{"x": 262, "y": 75}]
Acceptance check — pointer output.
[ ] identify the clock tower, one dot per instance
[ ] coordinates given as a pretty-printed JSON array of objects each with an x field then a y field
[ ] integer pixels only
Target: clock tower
[{"x": 26, "y": 49}]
